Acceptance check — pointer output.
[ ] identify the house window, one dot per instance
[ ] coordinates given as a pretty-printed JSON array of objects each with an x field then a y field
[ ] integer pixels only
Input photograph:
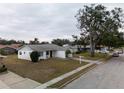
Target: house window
[
  {"x": 41, "y": 53},
  {"x": 47, "y": 52},
  {"x": 20, "y": 53}
]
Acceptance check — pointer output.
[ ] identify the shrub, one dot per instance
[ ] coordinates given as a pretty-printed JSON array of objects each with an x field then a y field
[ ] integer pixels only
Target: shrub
[
  {"x": 34, "y": 56},
  {"x": 3, "y": 68},
  {"x": 68, "y": 52}
]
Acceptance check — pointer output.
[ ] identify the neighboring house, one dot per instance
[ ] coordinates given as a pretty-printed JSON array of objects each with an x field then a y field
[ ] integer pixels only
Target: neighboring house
[
  {"x": 87, "y": 48},
  {"x": 15, "y": 46},
  {"x": 9, "y": 49},
  {"x": 75, "y": 48},
  {"x": 102, "y": 50},
  {"x": 46, "y": 51}
]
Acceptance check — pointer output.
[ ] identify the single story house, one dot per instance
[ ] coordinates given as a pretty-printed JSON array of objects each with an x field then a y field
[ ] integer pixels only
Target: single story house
[
  {"x": 9, "y": 49},
  {"x": 45, "y": 50},
  {"x": 73, "y": 48},
  {"x": 76, "y": 48}
]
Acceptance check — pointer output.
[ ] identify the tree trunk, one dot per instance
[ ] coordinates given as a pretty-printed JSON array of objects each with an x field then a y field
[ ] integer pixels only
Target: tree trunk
[{"x": 92, "y": 45}]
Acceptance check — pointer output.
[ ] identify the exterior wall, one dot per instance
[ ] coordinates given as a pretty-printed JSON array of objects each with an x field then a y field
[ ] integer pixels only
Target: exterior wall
[
  {"x": 43, "y": 56},
  {"x": 60, "y": 54},
  {"x": 74, "y": 50},
  {"x": 25, "y": 53},
  {"x": 54, "y": 53}
]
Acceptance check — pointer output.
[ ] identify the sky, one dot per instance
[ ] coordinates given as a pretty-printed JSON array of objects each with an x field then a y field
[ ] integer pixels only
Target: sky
[{"x": 43, "y": 21}]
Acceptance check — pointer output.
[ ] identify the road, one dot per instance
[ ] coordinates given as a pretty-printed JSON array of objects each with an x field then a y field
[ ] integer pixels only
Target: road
[{"x": 105, "y": 76}]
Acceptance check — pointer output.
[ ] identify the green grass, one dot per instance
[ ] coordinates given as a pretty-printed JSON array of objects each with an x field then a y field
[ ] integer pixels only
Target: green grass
[
  {"x": 97, "y": 56},
  {"x": 42, "y": 71}
]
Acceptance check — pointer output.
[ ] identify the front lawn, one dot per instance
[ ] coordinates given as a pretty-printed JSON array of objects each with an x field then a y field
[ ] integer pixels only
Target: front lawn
[
  {"x": 42, "y": 71},
  {"x": 97, "y": 56}
]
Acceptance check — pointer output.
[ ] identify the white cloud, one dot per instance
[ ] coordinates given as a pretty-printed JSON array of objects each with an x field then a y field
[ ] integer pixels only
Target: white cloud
[{"x": 44, "y": 21}]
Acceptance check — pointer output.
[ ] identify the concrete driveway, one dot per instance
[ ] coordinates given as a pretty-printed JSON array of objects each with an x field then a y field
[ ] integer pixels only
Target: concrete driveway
[
  {"x": 105, "y": 76},
  {"x": 11, "y": 80}
]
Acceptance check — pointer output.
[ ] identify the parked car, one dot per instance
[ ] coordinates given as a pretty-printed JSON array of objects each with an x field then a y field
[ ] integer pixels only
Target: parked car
[
  {"x": 120, "y": 52},
  {"x": 2, "y": 68},
  {"x": 115, "y": 54},
  {"x": 116, "y": 51}
]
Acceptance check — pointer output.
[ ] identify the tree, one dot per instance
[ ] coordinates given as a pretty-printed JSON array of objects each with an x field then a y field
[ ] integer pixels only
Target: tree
[
  {"x": 90, "y": 20},
  {"x": 121, "y": 39},
  {"x": 111, "y": 36},
  {"x": 83, "y": 40},
  {"x": 113, "y": 40},
  {"x": 76, "y": 40},
  {"x": 44, "y": 42},
  {"x": 9, "y": 42},
  {"x": 67, "y": 52},
  {"x": 35, "y": 41},
  {"x": 96, "y": 22},
  {"x": 60, "y": 42},
  {"x": 20, "y": 42}
]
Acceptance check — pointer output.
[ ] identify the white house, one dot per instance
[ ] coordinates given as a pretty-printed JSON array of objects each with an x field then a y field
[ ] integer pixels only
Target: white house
[
  {"x": 75, "y": 48},
  {"x": 46, "y": 51}
]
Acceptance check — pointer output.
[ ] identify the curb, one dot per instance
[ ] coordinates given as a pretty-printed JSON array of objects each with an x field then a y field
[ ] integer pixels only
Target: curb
[{"x": 77, "y": 76}]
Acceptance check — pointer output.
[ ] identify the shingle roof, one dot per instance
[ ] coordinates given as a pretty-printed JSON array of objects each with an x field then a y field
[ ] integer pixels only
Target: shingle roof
[
  {"x": 45, "y": 47},
  {"x": 2, "y": 46},
  {"x": 15, "y": 46}
]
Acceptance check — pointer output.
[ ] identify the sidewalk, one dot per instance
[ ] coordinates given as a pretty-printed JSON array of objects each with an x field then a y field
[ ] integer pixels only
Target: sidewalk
[{"x": 3, "y": 85}]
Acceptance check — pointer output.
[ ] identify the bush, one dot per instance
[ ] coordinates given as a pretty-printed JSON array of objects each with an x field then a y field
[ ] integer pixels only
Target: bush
[
  {"x": 3, "y": 69},
  {"x": 68, "y": 52},
  {"x": 34, "y": 56}
]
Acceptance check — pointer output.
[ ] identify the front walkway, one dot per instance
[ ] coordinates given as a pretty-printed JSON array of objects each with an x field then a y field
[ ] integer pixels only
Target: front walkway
[{"x": 86, "y": 60}]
